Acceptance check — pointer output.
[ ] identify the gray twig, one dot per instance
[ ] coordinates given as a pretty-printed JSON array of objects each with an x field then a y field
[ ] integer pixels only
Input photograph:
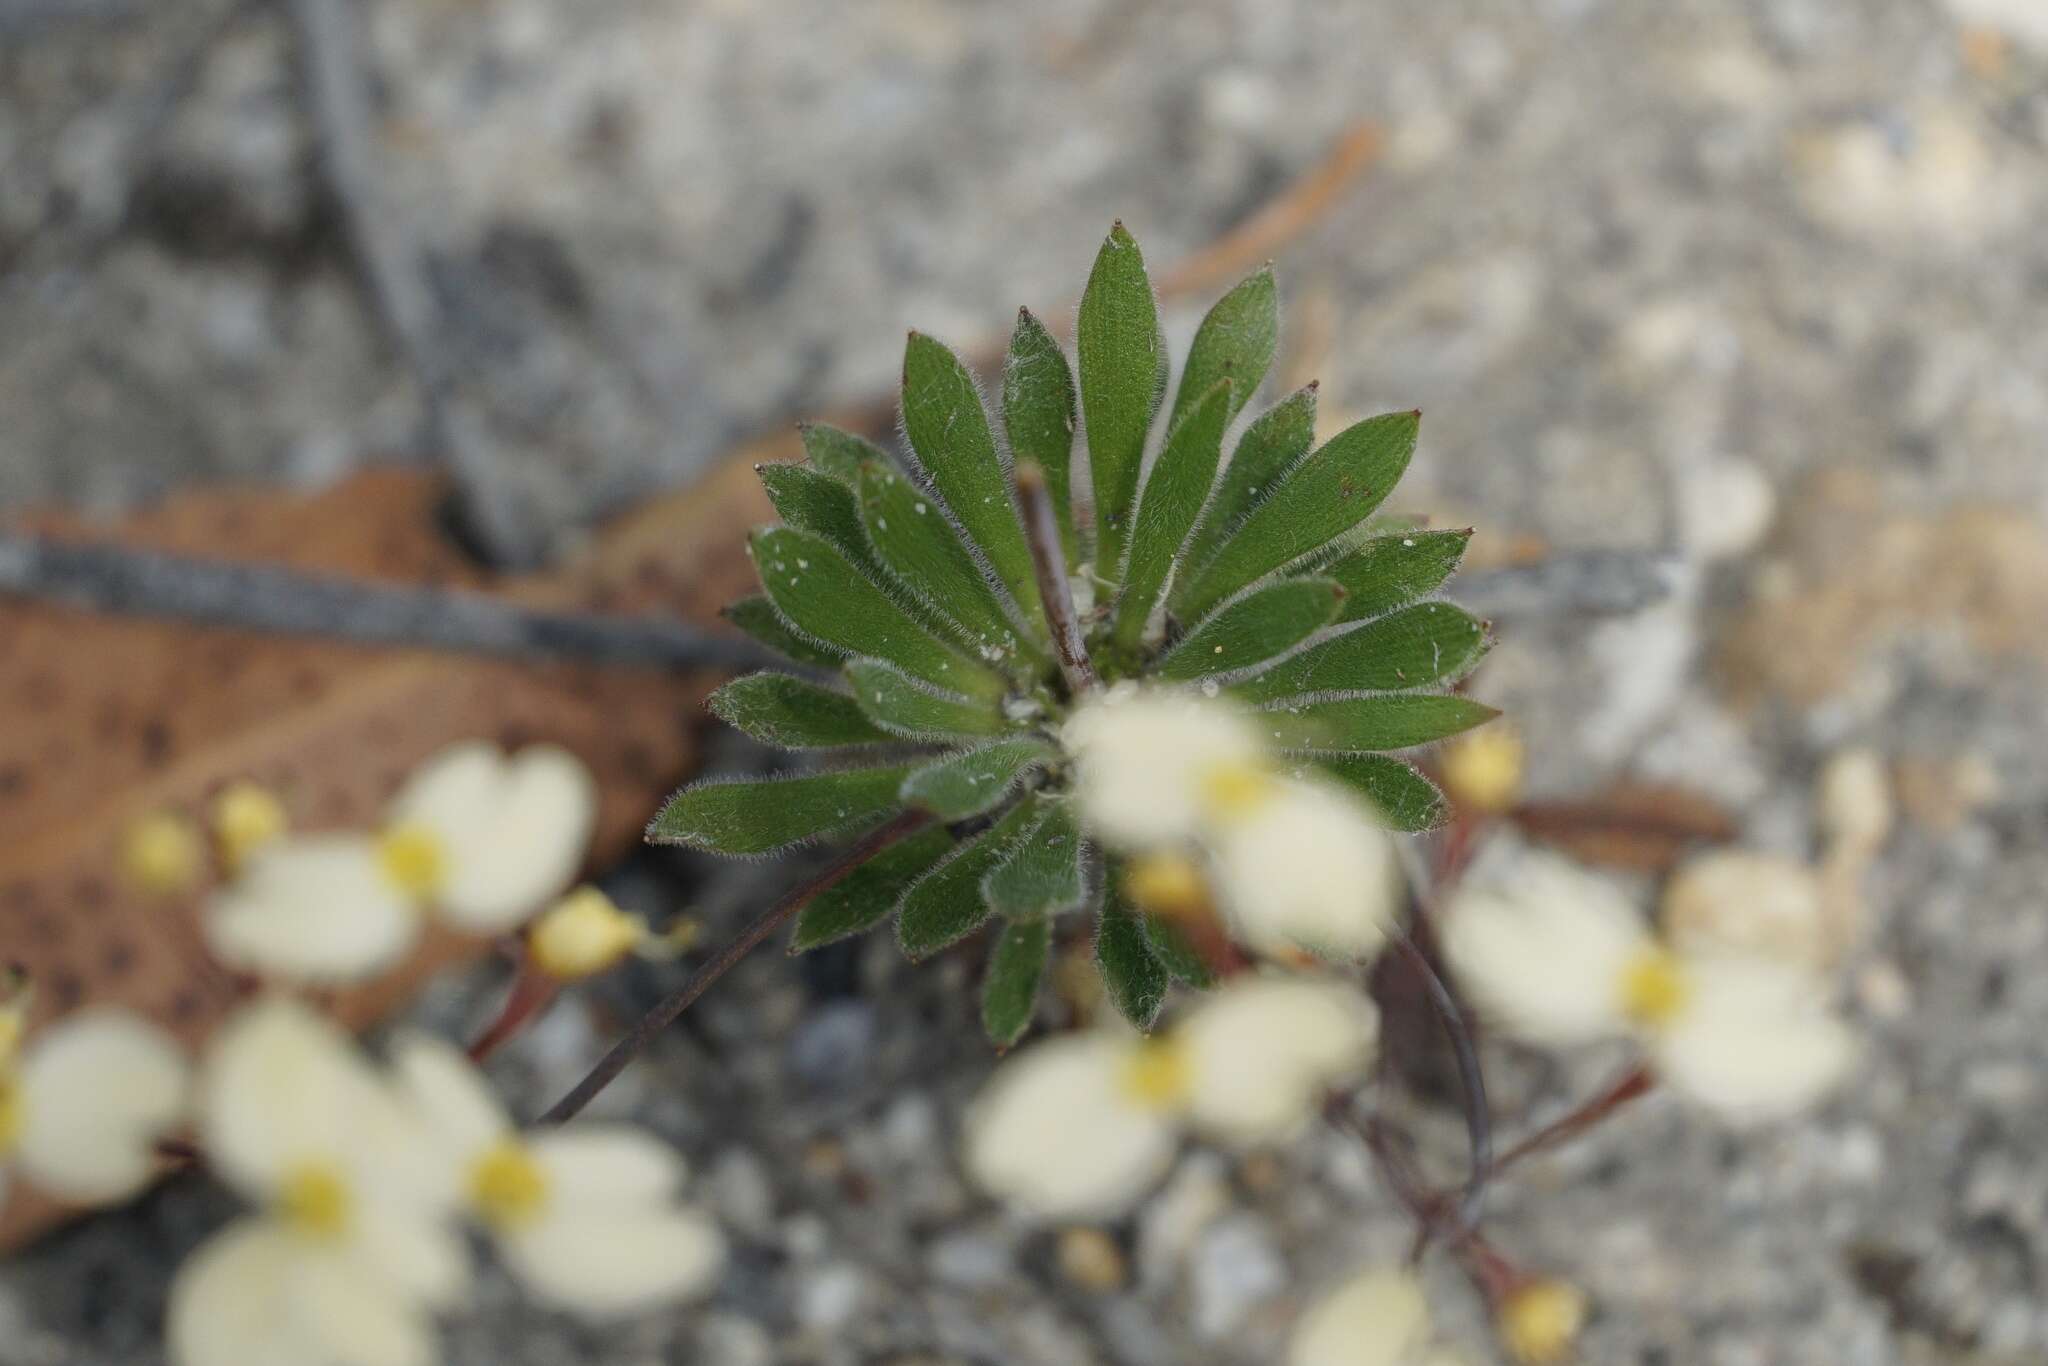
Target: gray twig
[
  {"x": 393, "y": 266},
  {"x": 1572, "y": 583},
  {"x": 146, "y": 583}
]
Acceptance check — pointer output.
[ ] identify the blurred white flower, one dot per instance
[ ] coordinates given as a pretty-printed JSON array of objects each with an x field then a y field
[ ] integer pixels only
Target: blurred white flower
[
  {"x": 587, "y": 1216},
  {"x": 1296, "y": 863},
  {"x": 1305, "y": 867},
  {"x": 1376, "y": 1318},
  {"x": 82, "y": 1106},
  {"x": 351, "y": 1252},
  {"x": 1145, "y": 761},
  {"x": 480, "y": 838},
  {"x": 1557, "y": 956},
  {"x": 1079, "y": 1127}
]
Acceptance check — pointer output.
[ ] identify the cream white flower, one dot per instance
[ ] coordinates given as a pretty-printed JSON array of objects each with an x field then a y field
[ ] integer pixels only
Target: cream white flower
[
  {"x": 587, "y": 1216},
  {"x": 480, "y": 838},
  {"x": 1304, "y": 866},
  {"x": 350, "y": 1253},
  {"x": 1145, "y": 759},
  {"x": 1079, "y": 1127},
  {"x": 82, "y": 1107},
  {"x": 1296, "y": 863},
  {"x": 1378, "y": 1317},
  {"x": 1557, "y": 956}
]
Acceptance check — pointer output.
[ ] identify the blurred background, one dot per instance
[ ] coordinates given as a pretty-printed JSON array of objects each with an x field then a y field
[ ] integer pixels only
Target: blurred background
[{"x": 1754, "y": 291}]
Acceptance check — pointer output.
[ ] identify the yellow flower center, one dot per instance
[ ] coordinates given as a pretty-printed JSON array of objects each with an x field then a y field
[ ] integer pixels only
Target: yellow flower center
[
  {"x": 11, "y": 1116},
  {"x": 315, "y": 1200},
  {"x": 1540, "y": 1322},
  {"x": 162, "y": 854},
  {"x": 1232, "y": 791},
  {"x": 13, "y": 1022},
  {"x": 506, "y": 1185},
  {"x": 584, "y": 934},
  {"x": 1167, "y": 884},
  {"x": 246, "y": 817},
  {"x": 1654, "y": 988},
  {"x": 1483, "y": 768},
  {"x": 1158, "y": 1074},
  {"x": 414, "y": 859}
]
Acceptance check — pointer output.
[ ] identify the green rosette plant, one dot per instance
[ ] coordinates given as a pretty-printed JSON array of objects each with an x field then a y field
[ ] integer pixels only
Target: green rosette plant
[{"x": 943, "y": 611}]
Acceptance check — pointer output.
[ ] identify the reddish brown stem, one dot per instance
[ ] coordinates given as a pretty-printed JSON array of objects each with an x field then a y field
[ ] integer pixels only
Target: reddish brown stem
[
  {"x": 1638, "y": 1081},
  {"x": 532, "y": 991},
  {"x": 1048, "y": 561},
  {"x": 671, "y": 1007}
]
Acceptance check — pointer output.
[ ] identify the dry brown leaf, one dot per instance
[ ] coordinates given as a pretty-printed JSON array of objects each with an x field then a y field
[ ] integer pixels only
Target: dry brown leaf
[{"x": 104, "y": 720}]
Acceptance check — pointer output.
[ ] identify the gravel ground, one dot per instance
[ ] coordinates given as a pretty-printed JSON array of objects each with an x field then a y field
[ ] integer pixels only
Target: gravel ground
[{"x": 1758, "y": 285}]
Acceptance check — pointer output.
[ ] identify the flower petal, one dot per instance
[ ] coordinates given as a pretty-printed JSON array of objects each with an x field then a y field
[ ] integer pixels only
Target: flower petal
[
  {"x": 1755, "y": 1042},
  {"x": 359, "y": 1315},
  {"x": 449, "y": 1094},
  {"x": 607, "y": 1166},
  {"x": 1543, "y": 948},
  {"x": 1140, "y": 756},
  {"x": 421, "y": 1259},
  {"x": 516, "y": 829},
  {"x": 1056, "y": 1134},
  {"x": 1308, "y": 869},
  {"x": 1377, "y": 1318},
  {"x": 1262, "y": 1050},
  {"x": 230, "y": 1302},
  {"x": 282, "y": 1086},
  {"x": 606, "y": 1264},
  {"x": 97, "y": 1090},
  {"x": 312, "y": 909}
]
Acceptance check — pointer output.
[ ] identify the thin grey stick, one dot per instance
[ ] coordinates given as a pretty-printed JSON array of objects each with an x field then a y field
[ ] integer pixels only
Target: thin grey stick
[
  {"x": 393, "y": 266},
  {"x": 108, "y": 578}
]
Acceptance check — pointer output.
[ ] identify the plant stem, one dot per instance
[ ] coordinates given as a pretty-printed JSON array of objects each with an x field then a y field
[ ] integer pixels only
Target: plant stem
[
  {"x": 1042, "y": 531},
  {"x": 666, "y": 1012},
  {"x": 1478, "y": 1115},
  {"x": 1636, "y": 1082},
  {"x": 531, "y": 992}
]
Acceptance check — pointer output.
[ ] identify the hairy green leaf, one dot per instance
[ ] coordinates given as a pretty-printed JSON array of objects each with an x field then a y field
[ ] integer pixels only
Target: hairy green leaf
[
  {"x": 758, "y": 618},
  {"x": 1046, "y": 873},
  {"x": 1123, "y": 375},
  {"x": 1135, "y": 977},
  {"x": 777, "y": 709},
  {"x": 971, "y": 781},
  {"x": 767, "y": 815},
  {"x": 948, "y": 428},
  {"x": 946, "y": 905},
  {"x": 818, "y": 503},
  {"x": 916, "y": 540},
  {"x": 1010, "y": 989},
  {"x": 1430, "y": 642},
  {"x": 1038, "y": 416},
  {"x": 1174, "y": 495},
  {"x": 1261, "y": 625},
  {"x": 1392, "y": 571},
  {"x": 1404, "y": 798},
  {"x": 914, "y": 709},
  {"x": 838, "y": 453},
  {"x": 1235, "y": 342},
  {"x": 1365, "y": 724},
  {"x": 1176, "y": 952},
  {"x": 1319, "y": 500},
  {"x": 1274, "y": 443},
  {"x": 866, "y": 896},
  {"x": 824, "y": 597}
]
